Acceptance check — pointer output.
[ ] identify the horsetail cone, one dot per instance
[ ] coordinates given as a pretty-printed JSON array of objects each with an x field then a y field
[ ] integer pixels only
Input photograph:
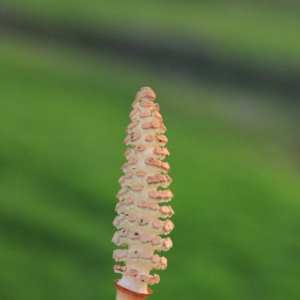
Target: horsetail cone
[{"x": 142, "y": 221}]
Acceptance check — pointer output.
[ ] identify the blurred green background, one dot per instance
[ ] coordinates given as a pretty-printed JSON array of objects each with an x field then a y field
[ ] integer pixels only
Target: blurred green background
[{"x": 226, "y": 75}]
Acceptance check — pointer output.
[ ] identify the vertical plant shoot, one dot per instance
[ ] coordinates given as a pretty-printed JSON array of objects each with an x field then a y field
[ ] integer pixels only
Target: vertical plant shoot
[{"x": 143, "y": 218}]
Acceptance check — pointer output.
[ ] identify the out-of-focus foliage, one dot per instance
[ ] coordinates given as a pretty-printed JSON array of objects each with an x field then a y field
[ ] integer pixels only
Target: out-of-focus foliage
[
  {"x": 234, "y": 161},
  {"x": 264, "y": 32}
]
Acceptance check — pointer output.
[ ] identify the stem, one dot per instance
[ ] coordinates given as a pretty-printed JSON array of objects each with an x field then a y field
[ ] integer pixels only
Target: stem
[{"x": 125, "y": 294}]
